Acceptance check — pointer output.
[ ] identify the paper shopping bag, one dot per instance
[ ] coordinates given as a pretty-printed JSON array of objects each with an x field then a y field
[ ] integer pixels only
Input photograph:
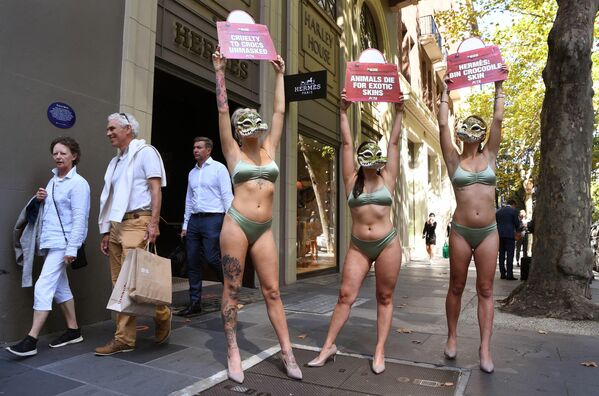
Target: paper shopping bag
[
  {"x": 153, "y": 280},
  {"x": 119, "y": 299}
]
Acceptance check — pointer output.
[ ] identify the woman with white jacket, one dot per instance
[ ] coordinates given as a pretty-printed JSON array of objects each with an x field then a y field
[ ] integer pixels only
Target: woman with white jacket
[{"x": 63, "y": 230}]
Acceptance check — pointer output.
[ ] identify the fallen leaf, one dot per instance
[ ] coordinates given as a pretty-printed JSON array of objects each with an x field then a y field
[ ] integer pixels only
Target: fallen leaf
[
  {"x": 302, "y": 336},
  {"x": 542, "y": 332},
  {"x": 589, "y": 364},
  {"x": 448, "y": 384},
  {"x": 404, "y": 330},
  {"x": 416, "y": 342},
  {"x": 239, "y": 306}
]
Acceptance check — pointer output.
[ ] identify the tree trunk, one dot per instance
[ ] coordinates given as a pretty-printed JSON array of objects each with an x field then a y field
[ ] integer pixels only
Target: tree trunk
[{"x": 562, "y": 258}]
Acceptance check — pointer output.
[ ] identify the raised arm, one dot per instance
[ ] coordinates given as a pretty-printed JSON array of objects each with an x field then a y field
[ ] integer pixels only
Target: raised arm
[
  {"x": 450, "y": 154},
  {"x": 390, "y": 169},
  {"x": 492, "y": 146},
  {"x": 278, "y": 116},
  {"x": 347, "y": 145},
  {"x": 229, "y": 145}
]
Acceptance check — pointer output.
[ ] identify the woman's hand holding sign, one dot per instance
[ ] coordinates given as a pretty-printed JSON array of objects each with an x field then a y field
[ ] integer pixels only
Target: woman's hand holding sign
[
  {"x": 218, "y": 60},
  {"x": 278, "y": 64}
]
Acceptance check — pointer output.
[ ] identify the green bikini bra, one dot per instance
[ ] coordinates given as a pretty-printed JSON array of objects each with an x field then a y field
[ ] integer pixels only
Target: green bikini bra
[
  {"x": 463, "y": 178},
  {"x": 244, "y": 171},
  {"x": 382, "y": 197}
]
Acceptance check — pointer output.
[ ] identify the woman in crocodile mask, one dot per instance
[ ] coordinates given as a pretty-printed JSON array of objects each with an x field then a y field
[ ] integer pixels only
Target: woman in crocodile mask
[
  {"x": 374, "y": 237},
  {"x": 249, "y": 149},
  {"x": 473, "y": 227}
]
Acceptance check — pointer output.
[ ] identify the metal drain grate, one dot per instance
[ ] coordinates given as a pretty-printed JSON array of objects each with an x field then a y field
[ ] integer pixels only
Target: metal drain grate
[
  {"x": 321, "y": 304},
  {"x": 348, "y": 375}
]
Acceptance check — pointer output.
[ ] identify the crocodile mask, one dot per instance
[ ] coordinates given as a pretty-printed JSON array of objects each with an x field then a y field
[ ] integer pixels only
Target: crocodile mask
[
  {"x": 370, "y": 156},
  {"x": 472, "y": 130},
  {"x": 249, "y": 123}
]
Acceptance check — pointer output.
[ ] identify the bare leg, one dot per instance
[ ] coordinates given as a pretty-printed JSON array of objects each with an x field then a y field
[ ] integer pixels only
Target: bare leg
[
  {"x": 355, "y": 268},
  {"x": 233, "y": 246},
  {"x": 485, "y": 257},
  {"x": 39, "y": 318},
  {"x": 387, "y": 268},
  {"x": 68, "y": 310},
  {"x": 459, "y": 260}
]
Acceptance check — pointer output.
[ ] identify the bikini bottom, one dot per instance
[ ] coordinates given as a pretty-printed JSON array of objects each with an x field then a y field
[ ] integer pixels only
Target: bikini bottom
[
  {"x": 251, "y": 229},
  {"x": 474, "y": 236},
  {"x": 372, "y": 249}
]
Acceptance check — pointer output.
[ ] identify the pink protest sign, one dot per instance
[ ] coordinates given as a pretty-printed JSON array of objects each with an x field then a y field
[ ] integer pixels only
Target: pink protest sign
[
  {"x": 372, "y": 82},
  {"x": 474, "y": 67},
  {"x": 245, "y": 41}
]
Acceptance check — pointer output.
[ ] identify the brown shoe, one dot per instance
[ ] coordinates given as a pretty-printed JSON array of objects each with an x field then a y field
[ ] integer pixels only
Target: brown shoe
[
  {"x": 163, "y": 329},
  {"x": 113, "y": 346}
]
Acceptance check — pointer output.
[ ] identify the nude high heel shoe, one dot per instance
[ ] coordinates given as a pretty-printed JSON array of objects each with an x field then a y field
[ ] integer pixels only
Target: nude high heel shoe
[
  {"x": 293, "y": 370},
  {"x": 319, "y": 362},
  {"x": 487, "y": 367},
  {"x": 234, "y": 376},
  {"x": 378, "y": 368}
]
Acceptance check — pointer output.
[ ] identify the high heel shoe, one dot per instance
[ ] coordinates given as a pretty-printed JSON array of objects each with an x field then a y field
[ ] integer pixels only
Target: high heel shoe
[
  {"x": 486, "y": 367},
  {"x": 378, "y": 368},
  {"x": 449, "y": 355},
  {"x": 233, "y": 376},
  {"x": 293, "y": 370},
  {"x": 319, "y": 362}
]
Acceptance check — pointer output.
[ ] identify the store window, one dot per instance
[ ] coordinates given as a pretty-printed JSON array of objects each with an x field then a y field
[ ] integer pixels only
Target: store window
[{"x": 316, "y": 205}]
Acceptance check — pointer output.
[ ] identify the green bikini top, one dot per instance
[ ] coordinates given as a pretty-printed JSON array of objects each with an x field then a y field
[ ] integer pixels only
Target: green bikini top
[
  {"x": 463, "y": 178},
  {"x": 245, "y": 171},
  {"x": 382, "y": 197}
]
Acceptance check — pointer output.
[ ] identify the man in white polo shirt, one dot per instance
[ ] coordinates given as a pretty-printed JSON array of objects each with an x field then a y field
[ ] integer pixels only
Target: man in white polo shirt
[
  {"x": 129, "y": 216},
  {"x": 209, "y": 196}
]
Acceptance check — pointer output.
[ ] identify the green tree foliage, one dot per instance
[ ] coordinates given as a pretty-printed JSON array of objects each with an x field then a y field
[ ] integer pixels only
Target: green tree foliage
[{"x": 520, "y": 29}]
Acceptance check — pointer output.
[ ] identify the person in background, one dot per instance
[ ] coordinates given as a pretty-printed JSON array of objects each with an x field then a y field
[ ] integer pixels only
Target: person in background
[
  {"x": 209, "y": 196},
  {"x": 522, "y": 237},
  {"x": 507, "y": 224},
  {"x": 63, "y": 230},
  {"x": 429, "y": 235},
  {"x": 129, "y": 215}
]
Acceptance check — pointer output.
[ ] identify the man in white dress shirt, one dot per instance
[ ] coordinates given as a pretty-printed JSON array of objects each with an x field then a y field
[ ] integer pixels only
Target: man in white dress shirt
[
  {"x": 209, "y": 196},
  {"x": 129, "y": 215}
]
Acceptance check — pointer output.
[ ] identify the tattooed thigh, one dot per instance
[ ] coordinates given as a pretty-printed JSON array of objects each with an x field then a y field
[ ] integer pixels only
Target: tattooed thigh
[{"x": 231, "y": 268}]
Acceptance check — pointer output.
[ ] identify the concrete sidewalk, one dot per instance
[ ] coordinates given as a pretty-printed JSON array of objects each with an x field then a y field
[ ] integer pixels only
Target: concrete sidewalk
[{"x": 532, "y": 356}]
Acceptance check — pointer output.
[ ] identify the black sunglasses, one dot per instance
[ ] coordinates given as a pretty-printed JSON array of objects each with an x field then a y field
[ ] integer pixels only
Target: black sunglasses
[{"x": 125, "y": 115}]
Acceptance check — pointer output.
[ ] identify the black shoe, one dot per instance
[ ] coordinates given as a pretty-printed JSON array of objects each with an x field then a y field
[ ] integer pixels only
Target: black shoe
[
  {"x": 71, "y": 336},
  {"x": 191, "y": 309},
  {"x": 502, "y": 276},
  {"x": 511, "y": 278},
  {"x": 27, "y": 347}
]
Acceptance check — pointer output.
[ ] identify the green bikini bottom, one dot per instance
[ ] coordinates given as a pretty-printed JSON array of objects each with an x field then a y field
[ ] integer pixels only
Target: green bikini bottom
[
  {"x": 372, "y": 249},
  {"x": 251, "y": 229},
  {"x": 474, "y": 236}
]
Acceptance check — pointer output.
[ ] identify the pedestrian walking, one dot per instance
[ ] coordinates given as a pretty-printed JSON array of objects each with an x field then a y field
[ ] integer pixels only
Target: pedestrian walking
[
  {"x": 429, "y": 235},
  {"x": 129, "y": 215},
  {"x": 64, "y": 209},
  {"x": 208, "y": 197},
  {"x": 473, "y": 227},
  {"x": 373, "y": 236},
  {"x": 249, "y": 148}
]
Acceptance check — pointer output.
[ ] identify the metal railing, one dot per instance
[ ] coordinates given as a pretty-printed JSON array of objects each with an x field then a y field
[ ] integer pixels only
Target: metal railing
[{"x": 429, "y": 27}]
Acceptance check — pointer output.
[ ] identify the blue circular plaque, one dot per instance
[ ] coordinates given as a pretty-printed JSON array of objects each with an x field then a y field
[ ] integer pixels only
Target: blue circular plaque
[{"x": 61, "y": 115}]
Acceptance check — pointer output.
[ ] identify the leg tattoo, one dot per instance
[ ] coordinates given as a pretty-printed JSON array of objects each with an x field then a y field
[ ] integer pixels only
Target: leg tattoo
[{"x": 231, "y": 268}]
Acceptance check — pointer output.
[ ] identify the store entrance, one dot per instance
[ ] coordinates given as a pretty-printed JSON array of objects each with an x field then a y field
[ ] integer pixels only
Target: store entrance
[{"x": 182, "y": 111}]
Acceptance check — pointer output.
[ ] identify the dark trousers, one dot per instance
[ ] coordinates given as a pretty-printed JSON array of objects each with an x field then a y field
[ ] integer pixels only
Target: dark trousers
[
  {"x": 522, "y": 246},
  {"x": 202, "y": 243},
  {"x": 506, "y": 248}
]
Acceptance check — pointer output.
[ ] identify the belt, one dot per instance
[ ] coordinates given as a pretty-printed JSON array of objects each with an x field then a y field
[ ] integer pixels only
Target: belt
[
  {"x": 137, "y": 214},
  {"x": 207, "y": 214}
]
